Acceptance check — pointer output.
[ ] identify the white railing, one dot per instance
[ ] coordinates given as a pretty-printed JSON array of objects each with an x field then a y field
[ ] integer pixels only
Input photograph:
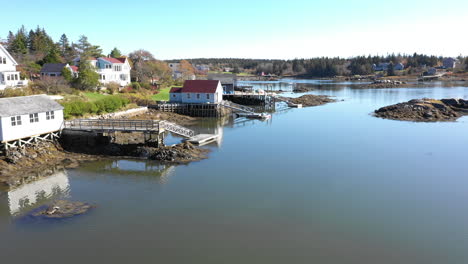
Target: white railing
[{"x": 174, "y": 128}]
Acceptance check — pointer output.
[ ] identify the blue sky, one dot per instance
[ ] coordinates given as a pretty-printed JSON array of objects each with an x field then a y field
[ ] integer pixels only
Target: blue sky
[{"x": 252, "y": 29}]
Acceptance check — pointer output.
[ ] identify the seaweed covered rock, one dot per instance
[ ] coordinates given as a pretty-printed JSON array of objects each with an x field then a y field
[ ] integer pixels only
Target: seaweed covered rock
[
  {"x": 311, "y": 100},
  {"x": 180, "y": 153},
  {"x": 425, "y": 110},
  {"x": 64, "y": 209}
]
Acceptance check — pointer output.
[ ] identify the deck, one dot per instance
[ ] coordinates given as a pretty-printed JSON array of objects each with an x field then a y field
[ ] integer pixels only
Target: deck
[
  {"x": 125, "y": 125},
  {"x": 202, "y": 139}
]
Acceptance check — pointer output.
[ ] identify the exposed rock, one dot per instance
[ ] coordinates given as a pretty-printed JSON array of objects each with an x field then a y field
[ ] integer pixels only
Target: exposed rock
[
  {"x": 376, "y": 84},
  {"x": 301, "y": 88},
  {"x": 64, "y": 209},
  {"x": 425, "y": 110},
  {"x": 20, "y": 166},
  {"x": 311, "y": 100},
  {"x": 180, "y": 153}
]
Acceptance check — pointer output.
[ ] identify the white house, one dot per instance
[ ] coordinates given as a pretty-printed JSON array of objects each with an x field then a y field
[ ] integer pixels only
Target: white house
[
  {"x": 198, "y": 92},
  {"x": 115, "y": 70},
  {"x": 9, "y": 76},
  {"x": 28, "y": 116}
]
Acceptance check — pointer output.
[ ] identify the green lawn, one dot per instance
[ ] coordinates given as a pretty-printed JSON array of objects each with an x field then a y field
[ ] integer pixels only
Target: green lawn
[
  {"x": 163, "y": 95},
  {"x": 94, "y": 96}
]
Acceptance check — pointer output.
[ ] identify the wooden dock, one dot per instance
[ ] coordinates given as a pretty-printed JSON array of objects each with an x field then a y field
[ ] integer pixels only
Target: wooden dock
[
  {"x": 125, "y": 125},
  {"x": 203, "y": 139},
  {"x": 195, "y": 110}
]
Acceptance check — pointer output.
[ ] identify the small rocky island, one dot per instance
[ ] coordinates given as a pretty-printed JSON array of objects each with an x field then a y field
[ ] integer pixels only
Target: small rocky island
[
  {"x": 425, "y": 110},
  {"x": 379, "y": 84},
  {"x": 63, "y": 209},
  {"x": 311, "y": 100}
]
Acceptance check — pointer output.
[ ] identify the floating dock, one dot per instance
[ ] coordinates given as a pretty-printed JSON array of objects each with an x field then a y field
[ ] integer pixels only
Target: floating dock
[
  {"x": 293, "y": 105},
  {"x": 202, "y": 139}
]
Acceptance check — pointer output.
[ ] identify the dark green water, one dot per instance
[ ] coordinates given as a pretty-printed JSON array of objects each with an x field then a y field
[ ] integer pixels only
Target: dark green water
[{"x": 328, "y": 184}]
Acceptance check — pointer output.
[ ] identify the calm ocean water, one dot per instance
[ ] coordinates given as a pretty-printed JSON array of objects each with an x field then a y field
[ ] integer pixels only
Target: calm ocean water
[{"x": 327, "y": 184}]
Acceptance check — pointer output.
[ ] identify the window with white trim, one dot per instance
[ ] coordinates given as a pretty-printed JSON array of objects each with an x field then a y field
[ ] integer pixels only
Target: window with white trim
[
  {"x": 108, "y": 66},
  {"x": 188, "y": 95},
  {"x": 16, "y": 121},
  {"x": 34, "y": 118},
  {"x": 198, "y": 96},
  {"x": 50, "y": 115},
  {"x": 207, "y": 96}
]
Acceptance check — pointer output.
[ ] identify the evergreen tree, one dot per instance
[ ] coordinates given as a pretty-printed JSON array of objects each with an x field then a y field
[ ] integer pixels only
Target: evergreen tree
[
  {"x": 10, "y": 39},
  {"x": 67, "y": 74},
  {"x": 31, "y": 38},
  {"x": 86, "y": 49},
  {"x": 53, "y": 56},
  {"x": 88, "y": 78},
  {"x": 63, "y": 44},
  {"x": 391, "y": 69},
  {"x": 20, "y": 42},
  {"x": 115, "y": 53}
]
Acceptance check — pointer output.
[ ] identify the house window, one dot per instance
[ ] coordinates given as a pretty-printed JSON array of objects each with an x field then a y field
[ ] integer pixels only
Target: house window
[
  {"x": 207, "y": 96},
  {"x": 3, "y": 60},
  {"x": 34, "y": 118},
  {"x": 50, "y": 115},
  {"x": 174, "y": 95},
  {"x": 123, "y": 77},
  {"x": 16, "y": 77},
  {"x": 16, "y": 121},
  {"x": 188, "y": 96},
  {"x": 102, "y": 77},
  {"x": 117, "y": 68},
  {"x": 198, "y": 96},
  {"x": 108, "y": 66}
]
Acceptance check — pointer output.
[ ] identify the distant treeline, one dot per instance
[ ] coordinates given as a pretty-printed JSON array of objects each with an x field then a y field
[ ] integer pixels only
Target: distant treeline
[{"x": 319, "y": 67}]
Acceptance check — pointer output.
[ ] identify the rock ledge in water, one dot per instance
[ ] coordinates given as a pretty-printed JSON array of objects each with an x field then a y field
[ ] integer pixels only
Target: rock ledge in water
[
  {"x": 64, "y": 209},
  {"x": 311, "y": 100},
  {"x": 425, "y": 110}
]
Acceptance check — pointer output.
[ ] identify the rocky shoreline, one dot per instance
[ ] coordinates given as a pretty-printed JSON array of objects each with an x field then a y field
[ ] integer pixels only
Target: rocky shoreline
[
  {"x": 41, "y": 160},
  {"x": 425, "y": 110},
  {"x": 36, "y": 161}
]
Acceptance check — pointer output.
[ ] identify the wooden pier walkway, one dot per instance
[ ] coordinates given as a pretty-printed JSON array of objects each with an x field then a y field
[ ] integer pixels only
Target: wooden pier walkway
[{"x": 124, "y": 125}]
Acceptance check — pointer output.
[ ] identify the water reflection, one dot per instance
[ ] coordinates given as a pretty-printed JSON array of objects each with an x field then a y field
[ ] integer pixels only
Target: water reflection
[
  {"x": 25, "y": 197},
  {"x": 132, "y": 169}
]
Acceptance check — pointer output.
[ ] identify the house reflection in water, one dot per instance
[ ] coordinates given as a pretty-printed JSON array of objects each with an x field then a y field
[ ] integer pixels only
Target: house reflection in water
[
  {"x": 162, "y": 172},
  {"x": 33, "y": 194}
]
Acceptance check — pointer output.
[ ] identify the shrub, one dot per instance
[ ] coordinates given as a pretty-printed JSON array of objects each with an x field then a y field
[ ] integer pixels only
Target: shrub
[
  {"x": 79, "y": 107},
  {"x": 112, "y": 88},
  {"x": 136, "y": 86}
]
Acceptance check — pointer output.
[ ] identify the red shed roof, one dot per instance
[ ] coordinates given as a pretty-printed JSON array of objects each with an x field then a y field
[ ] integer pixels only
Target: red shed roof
[
  {"x": 114, "y": 60},
  {"x": 200, "y": 86},
  {"x": 176, "y": 90}
]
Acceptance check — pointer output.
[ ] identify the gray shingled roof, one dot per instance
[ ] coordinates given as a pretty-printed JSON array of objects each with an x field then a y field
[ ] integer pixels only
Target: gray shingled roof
[
  {"x": 23, "y": 105},
  {"x": 53, "y": 67}
]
